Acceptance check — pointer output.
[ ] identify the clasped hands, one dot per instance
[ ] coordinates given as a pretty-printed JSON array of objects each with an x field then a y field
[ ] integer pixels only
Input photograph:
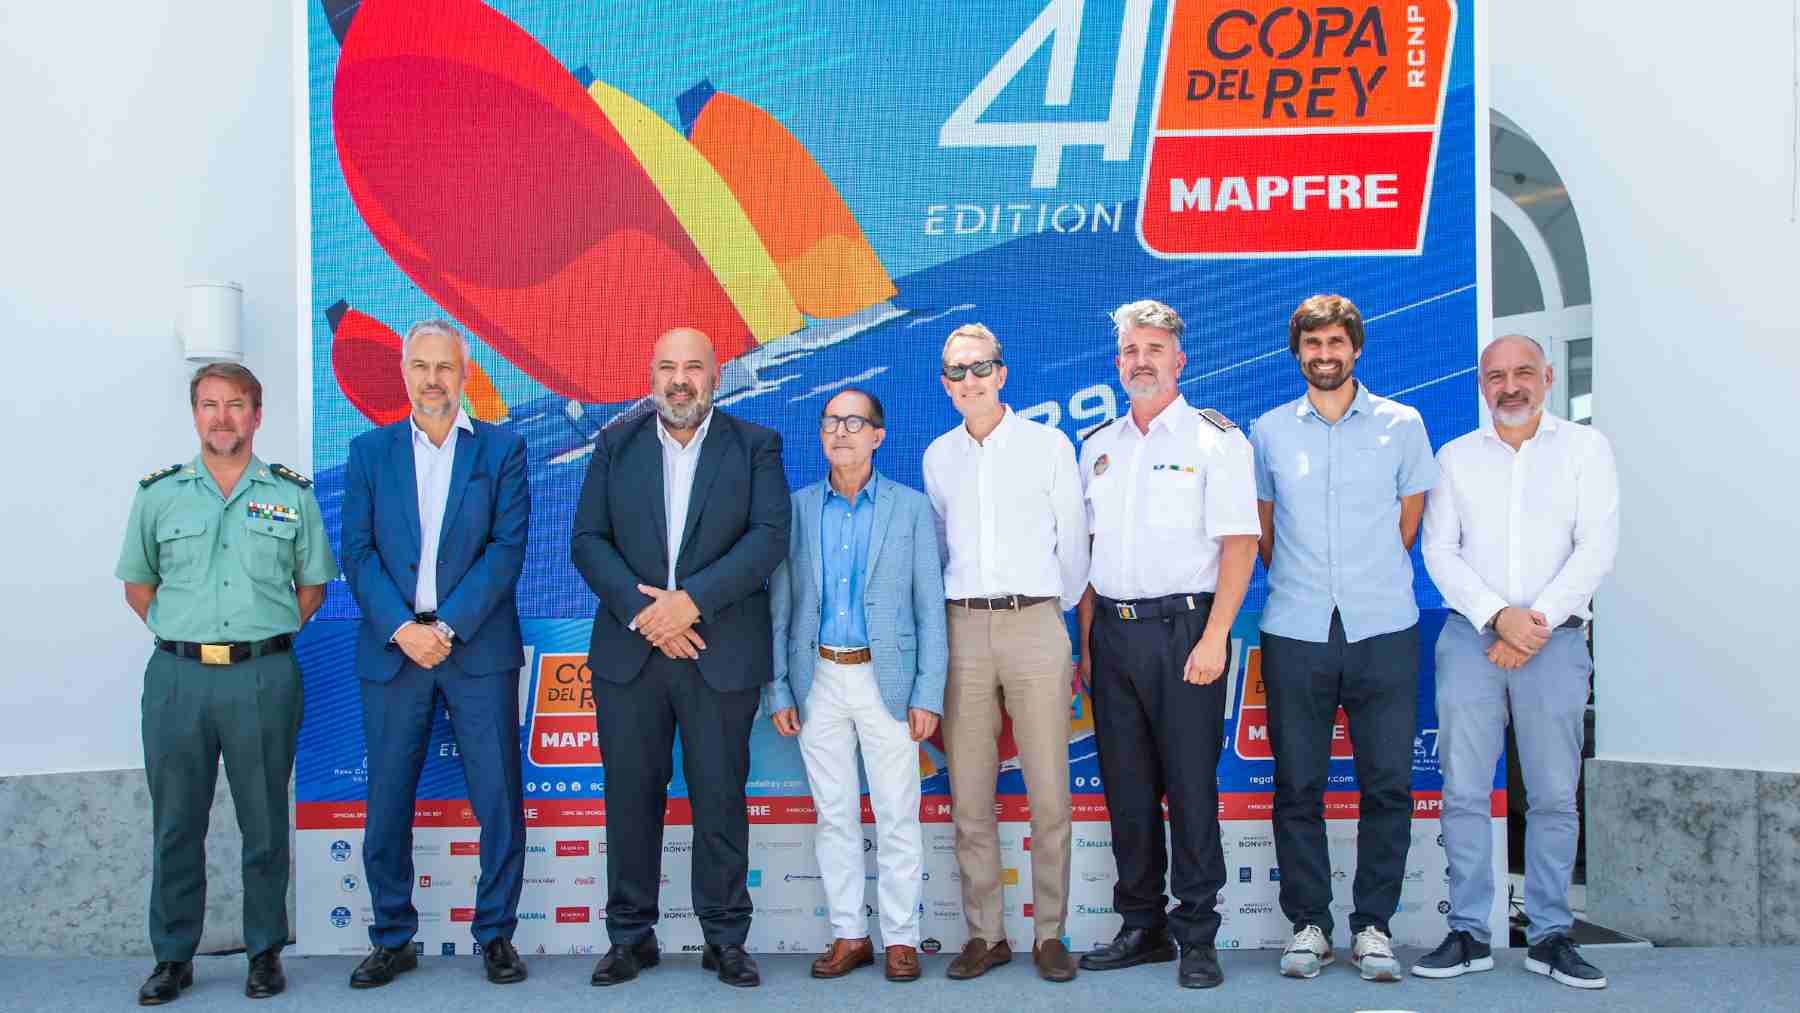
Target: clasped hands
[
  {"x": 668, "y": 622},
  {"x": 423, "y": 644},
  {"x": 1522, "y": 633}
]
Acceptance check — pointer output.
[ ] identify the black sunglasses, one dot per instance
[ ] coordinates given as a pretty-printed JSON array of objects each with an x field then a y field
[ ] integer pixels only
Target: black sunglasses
[{"x": 984, "y": 368}]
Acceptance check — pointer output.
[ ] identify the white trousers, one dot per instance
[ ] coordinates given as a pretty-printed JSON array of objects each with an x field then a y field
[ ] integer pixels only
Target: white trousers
[{"x": 843, "y": 709}]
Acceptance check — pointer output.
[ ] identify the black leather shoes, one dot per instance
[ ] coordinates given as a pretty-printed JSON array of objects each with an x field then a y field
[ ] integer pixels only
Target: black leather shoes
[
  {"x": 1200, "y": 968},
  {"x": 504, "y": 966},
  {"x": 382, "y": 964},
  {"x": 166, "y": 982},
  {"x": 1130, "y": 948},
  {"x": 622, "y": 963},
  {"x": 735, "y": 967},
  {"x": 266, "y": 978}
]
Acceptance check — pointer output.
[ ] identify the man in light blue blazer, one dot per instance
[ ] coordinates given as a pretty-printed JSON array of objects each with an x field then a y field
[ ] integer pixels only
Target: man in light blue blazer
[{"x": 860, "y": 659}]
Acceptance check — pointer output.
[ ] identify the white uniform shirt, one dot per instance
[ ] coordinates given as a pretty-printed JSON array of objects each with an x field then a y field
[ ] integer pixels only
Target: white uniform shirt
[
  {"x": 1158, "y": 502},
  {"x": 679, "y": 464},
  {"x": 1535, "y": 528},
  {"x": 1008, "y": 510}
]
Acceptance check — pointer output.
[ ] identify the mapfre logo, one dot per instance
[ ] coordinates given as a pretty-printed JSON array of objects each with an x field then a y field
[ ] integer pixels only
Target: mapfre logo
[
  {"x": 572, "y": 849},
  {"x": 562, "y": 722}
]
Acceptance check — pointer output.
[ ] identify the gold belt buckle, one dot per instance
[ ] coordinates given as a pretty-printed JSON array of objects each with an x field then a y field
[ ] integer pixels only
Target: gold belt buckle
[
  {"x": 1127, "y": 611},
  {"x": 215, "y": 654}
]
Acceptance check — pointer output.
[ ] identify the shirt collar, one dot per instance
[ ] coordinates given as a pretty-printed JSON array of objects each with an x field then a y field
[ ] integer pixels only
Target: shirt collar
[
  {"x": 1360, "y": 404},
  {"x": 255, "y": 471},
  {"x": 866, "y": 492},
  {"x": 997, "y": 438},
  {"x": 462, "y": 422},
  {"x": 1547, "y": 424},
  {"x": 662, "y": 433},
  {"x": 1174, "y": 417}
]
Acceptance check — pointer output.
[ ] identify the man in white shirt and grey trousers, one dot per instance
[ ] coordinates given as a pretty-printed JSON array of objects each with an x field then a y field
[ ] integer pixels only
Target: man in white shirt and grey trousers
[
  {"x": 1009, "y": 510},
  {"x": 1521, "y": 529}
]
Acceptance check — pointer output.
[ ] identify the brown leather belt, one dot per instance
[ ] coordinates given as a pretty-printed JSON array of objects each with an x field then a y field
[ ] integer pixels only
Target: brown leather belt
[
  {"x": 859, "y": 656},
  {"x": 227, "y": 654},
  {"x": 1004, "y": 603}
]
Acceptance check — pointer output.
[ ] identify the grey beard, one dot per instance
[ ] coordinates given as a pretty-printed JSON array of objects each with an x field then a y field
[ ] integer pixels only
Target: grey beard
[
  {"x": 1145, "y": 389},
  {"x": 448, "y": 408},
  {"x": 676, "y": 418},
  {"x": 1515, "y": 417}
]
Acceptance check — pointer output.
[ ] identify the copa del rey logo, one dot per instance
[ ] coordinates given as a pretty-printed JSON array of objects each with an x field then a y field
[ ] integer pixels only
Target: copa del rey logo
[
  {"x": 562, "y": 722},
  {"x": 1295, "y": 129}
]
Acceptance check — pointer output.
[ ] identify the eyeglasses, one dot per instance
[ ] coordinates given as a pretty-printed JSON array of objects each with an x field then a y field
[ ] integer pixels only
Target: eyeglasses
[
  {"x": 829, "y": 424},
  {"x": 954, "y": 371}
]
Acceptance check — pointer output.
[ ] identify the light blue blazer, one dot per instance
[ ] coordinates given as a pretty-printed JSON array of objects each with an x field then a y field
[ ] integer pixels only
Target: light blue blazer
[{"x": 903, "y": 600}]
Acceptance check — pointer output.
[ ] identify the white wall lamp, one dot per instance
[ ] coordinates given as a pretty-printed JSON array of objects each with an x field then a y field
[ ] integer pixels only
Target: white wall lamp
[{"x": 211, "y": 324}]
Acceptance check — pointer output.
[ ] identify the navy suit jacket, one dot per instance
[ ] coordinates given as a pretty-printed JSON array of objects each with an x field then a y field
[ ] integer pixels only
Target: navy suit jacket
[
  {"x": 481, "y": 548},
  {"x": 736, "y": 533}
]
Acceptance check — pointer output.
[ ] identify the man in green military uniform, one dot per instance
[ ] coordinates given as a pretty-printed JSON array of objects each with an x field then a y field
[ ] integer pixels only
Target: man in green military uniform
[{"x": 224, "y": 557}]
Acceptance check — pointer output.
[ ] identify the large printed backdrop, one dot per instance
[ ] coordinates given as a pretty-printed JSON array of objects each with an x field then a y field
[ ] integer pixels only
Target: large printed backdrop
[{"x": 828, "y": 194}]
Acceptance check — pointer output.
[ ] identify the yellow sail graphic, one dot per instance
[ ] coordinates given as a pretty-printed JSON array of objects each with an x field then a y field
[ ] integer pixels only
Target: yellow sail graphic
[{"x": 708, "y": 211}]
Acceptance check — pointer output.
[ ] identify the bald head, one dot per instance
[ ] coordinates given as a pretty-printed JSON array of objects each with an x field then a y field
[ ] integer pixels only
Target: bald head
[
  {"x": 1515, "y": 377},
  {"x": 684, "y": 372}
]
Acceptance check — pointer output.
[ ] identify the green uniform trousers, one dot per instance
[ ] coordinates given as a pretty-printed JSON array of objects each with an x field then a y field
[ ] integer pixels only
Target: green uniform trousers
[{"x": 194, "y": 713}]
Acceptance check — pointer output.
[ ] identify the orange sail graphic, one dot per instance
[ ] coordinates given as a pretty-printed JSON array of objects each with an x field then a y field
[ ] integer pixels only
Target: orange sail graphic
[{"x": 826, "y": 261}]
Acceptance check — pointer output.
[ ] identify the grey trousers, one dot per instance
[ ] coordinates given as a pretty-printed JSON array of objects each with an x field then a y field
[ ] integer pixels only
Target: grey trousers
[{"x": 1546, "y": 697}]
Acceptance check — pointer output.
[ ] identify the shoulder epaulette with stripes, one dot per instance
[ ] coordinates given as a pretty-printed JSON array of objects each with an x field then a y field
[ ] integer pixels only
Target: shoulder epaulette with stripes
[
  {"x": 1218, "y": 419},
  {"x": 158, "y": 475},
  {"x": 291, "y": 475}
]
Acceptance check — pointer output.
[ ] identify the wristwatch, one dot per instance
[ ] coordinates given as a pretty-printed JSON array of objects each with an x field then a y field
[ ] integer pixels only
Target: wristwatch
[{"x": 444, "y": 630}]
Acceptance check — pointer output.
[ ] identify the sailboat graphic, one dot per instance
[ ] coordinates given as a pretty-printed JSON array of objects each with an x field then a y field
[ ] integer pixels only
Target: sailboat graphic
[
  {"x": 365, "y": 357},
  {"x": 566, "y": 224}
]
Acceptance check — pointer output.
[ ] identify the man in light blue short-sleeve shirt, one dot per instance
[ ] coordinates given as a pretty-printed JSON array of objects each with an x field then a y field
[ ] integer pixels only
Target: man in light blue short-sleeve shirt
[{"x": 1341, "y": 476}]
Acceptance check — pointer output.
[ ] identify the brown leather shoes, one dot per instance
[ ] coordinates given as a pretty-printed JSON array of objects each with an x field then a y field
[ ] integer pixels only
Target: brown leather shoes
[
  {"x": 1053, "y": 960},
  {"x": 902, "y": 963},
  {"x": 978, "y": 958},
  {"x": 847, "y": 955}
]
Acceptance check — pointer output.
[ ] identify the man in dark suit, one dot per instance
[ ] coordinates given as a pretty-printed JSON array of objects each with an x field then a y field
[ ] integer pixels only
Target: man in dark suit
[
  {"x": 682, "y": 519},
  {"x": 434, "y": 523}
]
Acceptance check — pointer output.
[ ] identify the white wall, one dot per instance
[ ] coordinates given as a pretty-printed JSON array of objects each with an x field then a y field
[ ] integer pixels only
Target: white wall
[
  {"x": 1675, "y": 136},
  {"x": 152, "y": 144}
]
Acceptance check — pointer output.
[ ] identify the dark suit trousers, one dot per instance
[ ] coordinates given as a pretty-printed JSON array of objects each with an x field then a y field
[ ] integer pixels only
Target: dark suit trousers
[
  {"x": 1158, "y": 737},
  {"x": 637, "y": 722},
  {"x": 484, "y": 716}
]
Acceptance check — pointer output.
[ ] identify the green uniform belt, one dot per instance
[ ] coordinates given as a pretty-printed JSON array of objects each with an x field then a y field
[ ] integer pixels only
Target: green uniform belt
[{"x": 226, "y": 654}]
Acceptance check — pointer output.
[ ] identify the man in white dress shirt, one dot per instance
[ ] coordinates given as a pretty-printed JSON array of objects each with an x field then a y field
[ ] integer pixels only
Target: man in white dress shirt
[
  {"x": 1007, "y": 500},
  {"x": 1520, "y": 531},
  {"x": 1171, "y": 496}
]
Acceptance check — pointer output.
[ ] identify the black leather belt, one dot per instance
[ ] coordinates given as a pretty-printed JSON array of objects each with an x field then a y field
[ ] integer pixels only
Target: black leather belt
[
  {"x": 1156, "y": 608},
  {"x": 1004, "y": 603},
  {"x": 1571, "y": 623},
  {"x": 227, "y": 654}
]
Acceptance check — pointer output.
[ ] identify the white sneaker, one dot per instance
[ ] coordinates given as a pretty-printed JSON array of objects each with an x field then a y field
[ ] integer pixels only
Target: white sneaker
[
  {"x": 1309, "y": 951},
  {"x": 1374, "y": 955}
]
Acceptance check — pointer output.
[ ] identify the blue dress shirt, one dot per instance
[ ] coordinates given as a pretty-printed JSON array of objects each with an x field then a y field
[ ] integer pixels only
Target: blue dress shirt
[
  {"x": 844, "y": 558},
  {"x": 1337, "y": 491}
]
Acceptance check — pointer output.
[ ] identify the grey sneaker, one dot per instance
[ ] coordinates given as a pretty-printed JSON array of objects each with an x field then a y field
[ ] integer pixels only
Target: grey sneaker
[
  {"x": 1374, "y": 955},
  {"x": 1458, "y": 954},
  {"x": 1556, "y": 957},
  {"x": 1309, "y": 952}
]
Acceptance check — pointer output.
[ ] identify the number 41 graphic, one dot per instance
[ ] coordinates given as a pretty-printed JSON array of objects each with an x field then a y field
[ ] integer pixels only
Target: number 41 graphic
[{"x": 1060, "y": 25}]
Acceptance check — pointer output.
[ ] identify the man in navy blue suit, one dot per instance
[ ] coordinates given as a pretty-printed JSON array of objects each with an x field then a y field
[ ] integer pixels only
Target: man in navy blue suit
[
  {"x": 683, "y": 517},
  {"x": 434, "y": 523}
]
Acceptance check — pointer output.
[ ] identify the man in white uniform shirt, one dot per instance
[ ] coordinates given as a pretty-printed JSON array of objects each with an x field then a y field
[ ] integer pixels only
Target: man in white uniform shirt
[
  {"x": 1008, "y": 505},
  {"x": 1521, "y": 529},
  {"x": 1171, "y": 498}
]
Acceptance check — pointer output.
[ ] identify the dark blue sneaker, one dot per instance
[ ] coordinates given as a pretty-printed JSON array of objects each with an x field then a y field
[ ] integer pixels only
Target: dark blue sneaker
[
  {"x": 1556, "y": 957},
  {"x": 1458, "y": 954}
]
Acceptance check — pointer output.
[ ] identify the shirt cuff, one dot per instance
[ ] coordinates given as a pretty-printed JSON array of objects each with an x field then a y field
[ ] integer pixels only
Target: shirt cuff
[
  {"x": 1488, "y": 608},
  {"x": 396, "y": 637}
]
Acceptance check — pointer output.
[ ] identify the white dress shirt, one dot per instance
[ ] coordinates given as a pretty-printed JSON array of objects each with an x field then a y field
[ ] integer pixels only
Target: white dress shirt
[
  {"x": 1533, "y": 528},
  {"x": 1009, "y": 513},
  {"x": 431, "y": 474},
  {"x": 1158, "y": 502},
  {"x": 679, "y": 463}
]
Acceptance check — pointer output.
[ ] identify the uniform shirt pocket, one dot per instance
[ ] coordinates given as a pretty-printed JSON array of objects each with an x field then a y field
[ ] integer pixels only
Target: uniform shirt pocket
[
  {"x": 1102, "y": 495},
  {"x": 181, "y": 551},
  {"x": 1174, "y": 494},
  {"x": 269, "y": 549}
]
